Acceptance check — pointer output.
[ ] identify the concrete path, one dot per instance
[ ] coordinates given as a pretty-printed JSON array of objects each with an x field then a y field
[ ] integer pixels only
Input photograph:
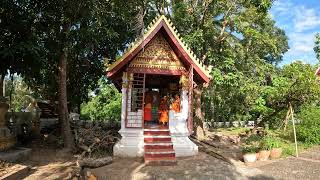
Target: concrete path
[{"x": 306, "y": 167}]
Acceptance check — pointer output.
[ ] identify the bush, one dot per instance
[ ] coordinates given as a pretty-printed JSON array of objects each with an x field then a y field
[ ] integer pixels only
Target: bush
[
  {"x": 249, "y": 149},
  {"x": 269, "y": 142},
  {"x": 105, "y": 105},
  {"x": 308, "y": 131}
]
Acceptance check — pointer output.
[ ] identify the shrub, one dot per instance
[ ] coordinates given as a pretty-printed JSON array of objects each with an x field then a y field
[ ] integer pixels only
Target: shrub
[
  {"x": 253, "y": 138},
  {"x": 308, "y": 130},
  {"x": 105, "y": 105},
  {"x": 249, "y": 149},
  {"x": 269, "y": 142}
]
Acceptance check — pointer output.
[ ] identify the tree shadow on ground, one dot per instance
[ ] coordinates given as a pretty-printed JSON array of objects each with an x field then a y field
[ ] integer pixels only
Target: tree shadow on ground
[{"x": 201, "y": 166}]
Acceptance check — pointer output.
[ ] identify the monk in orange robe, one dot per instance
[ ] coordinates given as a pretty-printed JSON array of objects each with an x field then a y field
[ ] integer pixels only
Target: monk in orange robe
[
  {"x": 147, "y": 115},
  {"x": 175, "y": 106},
  {"x": 163, "y": 110}
]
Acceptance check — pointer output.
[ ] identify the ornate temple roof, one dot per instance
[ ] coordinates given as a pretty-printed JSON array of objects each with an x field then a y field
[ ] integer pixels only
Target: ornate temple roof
[{"x": 164, "y": 26}]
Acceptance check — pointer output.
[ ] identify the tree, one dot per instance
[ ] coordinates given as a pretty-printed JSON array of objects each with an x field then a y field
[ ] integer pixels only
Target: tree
[
  {"x": 241, "y": 41},
  {"x": 317, "y": 46},
  {"x": 19, "y": 48},
  {"x": 21, "y": 95},
  {"x": 294, "y": 84},
  {"x": 79, "y": 34},
  {"x": 104, "y": 105}
]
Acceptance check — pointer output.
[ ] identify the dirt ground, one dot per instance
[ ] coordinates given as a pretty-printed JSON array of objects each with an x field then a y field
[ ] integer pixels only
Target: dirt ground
[
  {"x": 204, "y": 166},
  {"x": 52, "y": 163},
  {"x": 201, "y": 166}
]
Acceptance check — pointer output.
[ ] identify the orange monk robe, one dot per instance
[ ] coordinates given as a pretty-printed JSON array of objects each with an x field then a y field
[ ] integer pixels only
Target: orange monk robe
[
  {"x": 163, "y": 111},
  {"x": 147, "y": 112},
  {"x": 176, "y": 105}
]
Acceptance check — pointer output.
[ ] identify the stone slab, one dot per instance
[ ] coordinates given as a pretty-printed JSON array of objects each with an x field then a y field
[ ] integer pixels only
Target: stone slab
[
  {"x": 15, "y": 154},
  {"x": 18, "y": 172}
]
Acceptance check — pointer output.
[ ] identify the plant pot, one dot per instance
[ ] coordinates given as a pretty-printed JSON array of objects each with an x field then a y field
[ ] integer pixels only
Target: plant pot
[
  {"x": 220, "y": 124},
  {"x": 249, "y": 157},
  {"x": 235, "y": 123},
  {"x": 227, "y": 124},
  {"x": 264, "y": 155},
  {"x": 275, "y": 153}
]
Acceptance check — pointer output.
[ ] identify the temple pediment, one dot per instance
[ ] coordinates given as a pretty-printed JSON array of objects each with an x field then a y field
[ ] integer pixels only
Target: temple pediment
[
  {"x": 157, "y": 55},
  {"x": 160, "y": 48}
]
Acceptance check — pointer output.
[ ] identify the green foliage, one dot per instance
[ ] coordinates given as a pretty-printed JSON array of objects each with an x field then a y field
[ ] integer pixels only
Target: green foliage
[
  {"x": 317, "y": 46},
  {"x": 253, "y": 138},
  {"x": 105, "y": 105},
  {"x": 309, "y": 129},
  {"x": 249, "y": 149},
  {"x": 269, "y": 142},
  {"x": 21, "y": 94},
  {"x": 294, "y": 84},
  {"x": 20, "y": 50}
]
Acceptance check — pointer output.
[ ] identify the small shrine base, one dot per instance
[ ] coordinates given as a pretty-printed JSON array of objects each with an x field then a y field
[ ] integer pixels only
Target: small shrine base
[
  {"x": 7, "y": 140},
  {"x": 15, "y": 154},
  {"x": 132, "y": 141}
]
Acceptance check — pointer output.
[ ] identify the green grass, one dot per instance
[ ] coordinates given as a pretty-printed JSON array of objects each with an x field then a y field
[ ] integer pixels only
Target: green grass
[
  {"x": 285, "y": 138},
  {"x": 287, "y": 142},
  {"x": 232, "y": 131}
]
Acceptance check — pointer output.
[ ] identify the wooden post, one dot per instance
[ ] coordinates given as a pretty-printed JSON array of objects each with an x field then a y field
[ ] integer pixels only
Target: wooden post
[
  {"x": 294, "y": 131},
  {"x": 190, "y": 103},
  {"x": 143, "y": 98}
]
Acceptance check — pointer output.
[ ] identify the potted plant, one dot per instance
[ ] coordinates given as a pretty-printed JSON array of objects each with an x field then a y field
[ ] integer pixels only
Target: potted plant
[
  {"x": 264, "y": 152},
  {"x": 276, "y": 150},
  {"x": 249, "y": 154}
]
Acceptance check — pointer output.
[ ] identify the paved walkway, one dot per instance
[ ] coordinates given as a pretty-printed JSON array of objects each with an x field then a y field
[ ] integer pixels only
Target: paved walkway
[{"x": 306, "y": 167}]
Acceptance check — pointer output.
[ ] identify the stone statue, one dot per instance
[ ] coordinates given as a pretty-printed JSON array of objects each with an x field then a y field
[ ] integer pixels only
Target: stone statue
[
  {"x": 7, "y": 140},
  {"x": 184, "y": 82}
]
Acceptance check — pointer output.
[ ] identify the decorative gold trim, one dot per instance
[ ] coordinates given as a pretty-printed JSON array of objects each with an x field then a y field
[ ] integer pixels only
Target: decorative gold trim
[{"x": 148, "y": 31}]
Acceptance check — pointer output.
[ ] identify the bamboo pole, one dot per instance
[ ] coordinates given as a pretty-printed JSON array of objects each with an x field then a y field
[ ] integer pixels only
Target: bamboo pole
[{"x": 294, "y": 131}]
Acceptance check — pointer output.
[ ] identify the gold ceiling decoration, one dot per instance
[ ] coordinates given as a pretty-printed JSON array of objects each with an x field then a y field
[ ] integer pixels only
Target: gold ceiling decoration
[{"x": 157, "y": 54}]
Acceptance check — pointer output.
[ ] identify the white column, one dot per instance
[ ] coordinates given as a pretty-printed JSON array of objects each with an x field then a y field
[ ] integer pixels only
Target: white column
[
  {"x": 132, "y": 140},
  {"x": 123, "y": 108},
  {"x": 182, "y": 145}
]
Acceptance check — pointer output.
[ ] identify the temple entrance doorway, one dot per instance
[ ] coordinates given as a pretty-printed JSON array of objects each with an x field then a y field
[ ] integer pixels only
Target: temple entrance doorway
[{"x": 161, "y": 99}]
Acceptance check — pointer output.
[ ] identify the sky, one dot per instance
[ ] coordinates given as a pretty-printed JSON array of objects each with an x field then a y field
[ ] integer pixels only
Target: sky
[{"x": 301, "y": 21}]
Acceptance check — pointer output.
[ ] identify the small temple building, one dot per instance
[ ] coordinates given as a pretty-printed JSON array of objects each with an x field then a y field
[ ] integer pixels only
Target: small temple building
[{"x": 156, "y": 75}]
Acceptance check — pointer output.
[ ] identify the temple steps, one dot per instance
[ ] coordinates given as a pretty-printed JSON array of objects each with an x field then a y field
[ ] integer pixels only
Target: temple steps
[
  {"x": 155, "y": 139},
  {"x": 155, "y": 133},
  {"x": 158, "y": 147},
  {"x": 160, "y": 161}
]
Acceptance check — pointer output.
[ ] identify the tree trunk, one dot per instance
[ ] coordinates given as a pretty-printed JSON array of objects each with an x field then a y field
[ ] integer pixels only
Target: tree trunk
[
  {"x": 1, "y": 84},
  {"x": 63, "y": 103},
  {"x": 199, "y": 115}
]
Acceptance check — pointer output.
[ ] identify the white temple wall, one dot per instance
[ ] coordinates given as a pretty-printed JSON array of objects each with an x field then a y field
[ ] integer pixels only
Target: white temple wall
[
  {"x": 134, "y": 119},
  {"x": 132, "y": 139},
  {"x": 182, "y": 145}
]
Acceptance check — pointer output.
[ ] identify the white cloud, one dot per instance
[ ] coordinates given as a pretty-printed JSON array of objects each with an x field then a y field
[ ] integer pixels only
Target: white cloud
[
  {"x": 301, "y": 42},
  {"x": 281, "y": 7},
  {"x": 301, "y": 23},
  {"x": 305, "y": 19}
]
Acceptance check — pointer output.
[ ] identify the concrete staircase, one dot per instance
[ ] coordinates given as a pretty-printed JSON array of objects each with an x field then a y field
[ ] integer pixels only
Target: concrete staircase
[{"x": 158, "y": 146}]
